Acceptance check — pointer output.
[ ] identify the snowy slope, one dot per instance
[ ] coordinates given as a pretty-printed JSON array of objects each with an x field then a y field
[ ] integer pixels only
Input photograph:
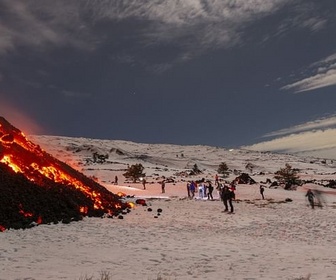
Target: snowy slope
[{"x": 168, "y": 160}]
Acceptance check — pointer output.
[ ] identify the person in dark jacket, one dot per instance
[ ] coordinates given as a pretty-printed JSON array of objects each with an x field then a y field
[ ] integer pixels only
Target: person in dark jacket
[
  {"x": 227, "y": 195},
  {"x": 210, "y": 190},
  {"x": 262, "y": 189},
  {"x": 192, "y": 189},
  {"x": 310, "y": 195},
  {"x": 144, "y": 183},
  {"x": 163, "y": 186}
]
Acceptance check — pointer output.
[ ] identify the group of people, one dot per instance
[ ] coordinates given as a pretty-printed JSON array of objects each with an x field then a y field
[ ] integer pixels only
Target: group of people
[{"x": 203, "y": 188}]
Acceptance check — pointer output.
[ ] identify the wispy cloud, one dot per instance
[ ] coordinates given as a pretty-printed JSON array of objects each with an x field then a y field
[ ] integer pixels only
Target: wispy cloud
[
  {"x": 39, "y": 24},
  {"x": 201, "y": 24},
  {"x": 303, "y": 15},
  {"x": 324, "y": 74},
  {"x": 193, "y": 26},
  {"x": 323, "y": 123},
  {"x": 320, "y": 142}
]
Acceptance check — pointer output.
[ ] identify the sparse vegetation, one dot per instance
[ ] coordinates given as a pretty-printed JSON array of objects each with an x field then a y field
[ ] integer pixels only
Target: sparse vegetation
[
  {"x": 134, "y": 172},
  {"x": 287, "y": 176},
  {"x": 223, "y": 169}
]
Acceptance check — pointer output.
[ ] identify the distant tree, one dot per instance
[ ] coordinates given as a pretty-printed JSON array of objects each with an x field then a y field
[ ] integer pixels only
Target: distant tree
[
  {"x": 134, "y": 172},
  {"x": 288, "y": 176},
  {"x": 223, "y": 169}
]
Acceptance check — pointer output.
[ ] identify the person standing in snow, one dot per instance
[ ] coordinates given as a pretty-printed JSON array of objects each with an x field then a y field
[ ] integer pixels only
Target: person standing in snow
[
  {"x": 192, "y": 189},
  {"x": 201, "y": 190},
  {"x": 216, "y": 180},
  {"x": 262, "y": 189},
  {"x": 163, "y": 186},
  {"x": 233, "y": 189},
  {"x": 232, "y": 196},
  {"x": 210, "y": 190},
  {"x": 310, "y": 195},
  {"x": 227, "y": 195}
]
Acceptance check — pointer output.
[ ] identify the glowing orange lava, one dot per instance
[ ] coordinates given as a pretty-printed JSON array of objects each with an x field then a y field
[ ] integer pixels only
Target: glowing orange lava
[{"x": 45, "y": 171}]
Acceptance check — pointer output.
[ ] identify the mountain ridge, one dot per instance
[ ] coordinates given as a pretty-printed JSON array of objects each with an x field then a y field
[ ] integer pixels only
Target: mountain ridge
[{"x": 168, "y": 158}]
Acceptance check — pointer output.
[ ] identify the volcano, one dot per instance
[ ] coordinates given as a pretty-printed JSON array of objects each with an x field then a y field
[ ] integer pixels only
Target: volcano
[{"x": 36, "y": 188}]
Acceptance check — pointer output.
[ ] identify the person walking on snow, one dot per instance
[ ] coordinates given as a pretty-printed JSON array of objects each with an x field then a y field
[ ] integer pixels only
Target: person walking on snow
[
  {"x": 310, "y": 195},
  {"x": 210, "y": 190},
  {"x": 201, "y": 190},
  {"x": 192, "y": 189},
  {"x": 262, "y": 189},
  {"x": 163, "y": 186},
  {"x": 227, "y": 195},
  {"x": 188, "y": 189}
]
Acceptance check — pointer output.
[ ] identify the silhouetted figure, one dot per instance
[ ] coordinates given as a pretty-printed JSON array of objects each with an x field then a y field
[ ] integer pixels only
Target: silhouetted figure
[
  {"x": 233, "y": 189},
  {"x": 116, "y": 180},
  {"x": 232, "y": 196},
  {"x": 144, "y": 183},
  {"x": 210, "y": 190},
  {"x": 319, "y": 198},
  {"x": 163, "y": 186},
  {"x": 205, "y": 189},
  {"x": 227, "y": 195},
  {"x": 262, "y": 189},
  {"x": 192, "y": 189},
  {"x": 188, "y": 189},
  {"x": 310, "y": 195}
]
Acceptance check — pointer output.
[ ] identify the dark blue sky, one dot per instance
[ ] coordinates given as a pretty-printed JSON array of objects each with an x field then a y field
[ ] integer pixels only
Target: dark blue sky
[{"x": 220, "y": 73}]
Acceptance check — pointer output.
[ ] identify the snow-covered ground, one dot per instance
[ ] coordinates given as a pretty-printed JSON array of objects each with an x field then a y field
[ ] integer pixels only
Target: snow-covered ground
[{"x": 280, "y": 237}]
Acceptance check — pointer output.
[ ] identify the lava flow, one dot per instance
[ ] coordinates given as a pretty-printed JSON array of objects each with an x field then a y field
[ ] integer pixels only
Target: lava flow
[{"x": 37, "y": 188}]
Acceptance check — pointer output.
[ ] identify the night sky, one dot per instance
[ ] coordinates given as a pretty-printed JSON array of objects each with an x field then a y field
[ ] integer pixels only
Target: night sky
[{"x": 220, "y": 73}]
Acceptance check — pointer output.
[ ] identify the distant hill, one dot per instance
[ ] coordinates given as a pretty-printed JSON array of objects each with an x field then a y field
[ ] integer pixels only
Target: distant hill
[{"x": 169, "y": 160}]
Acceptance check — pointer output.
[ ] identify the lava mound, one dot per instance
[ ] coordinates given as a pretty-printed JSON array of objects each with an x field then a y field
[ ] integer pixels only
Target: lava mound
[{"x": 37, "y": 188}]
